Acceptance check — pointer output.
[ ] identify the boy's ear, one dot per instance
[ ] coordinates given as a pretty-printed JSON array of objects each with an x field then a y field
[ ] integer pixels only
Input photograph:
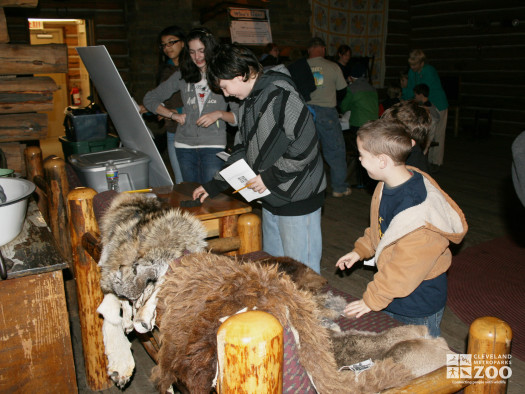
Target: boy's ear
[
  {"x": 413, "y": 142},
  {"x": 383, "y": 160}
]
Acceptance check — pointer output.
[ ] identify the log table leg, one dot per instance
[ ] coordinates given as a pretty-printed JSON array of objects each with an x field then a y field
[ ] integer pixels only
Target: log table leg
[
  {"x": 228, "y": 228},
  {"x": 89, "y": 294},
  {"x": 249, "y": 228},
  {"x": 57, "y": 190}
]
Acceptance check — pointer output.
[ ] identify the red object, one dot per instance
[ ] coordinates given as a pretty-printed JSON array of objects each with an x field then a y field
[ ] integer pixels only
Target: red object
[{"x": 75, "y": 96}]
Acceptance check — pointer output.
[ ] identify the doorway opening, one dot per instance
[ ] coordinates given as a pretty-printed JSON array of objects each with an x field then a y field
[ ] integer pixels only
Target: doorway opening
[{"x": 73, "y": 33}]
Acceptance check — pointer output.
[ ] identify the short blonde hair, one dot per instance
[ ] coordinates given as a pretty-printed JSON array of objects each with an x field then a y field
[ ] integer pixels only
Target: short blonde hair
[
  {"x": 416, "y": 56},
  {"x": 387, "y": 137}
]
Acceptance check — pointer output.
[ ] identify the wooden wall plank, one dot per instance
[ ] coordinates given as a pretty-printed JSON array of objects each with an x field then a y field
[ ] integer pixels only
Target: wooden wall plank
[
  {"x": 470, "y": 39},
  {"x": 35, "y": 353},
  {"x": 38, "y": 59},
  {"x": 18, "y": 3},
  {"x": 14, "y": 153},
  {"x": 23, "y": 127}
]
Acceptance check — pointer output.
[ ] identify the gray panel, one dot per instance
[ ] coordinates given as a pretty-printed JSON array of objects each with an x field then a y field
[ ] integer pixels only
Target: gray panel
[{"x": 121, "y": 108}]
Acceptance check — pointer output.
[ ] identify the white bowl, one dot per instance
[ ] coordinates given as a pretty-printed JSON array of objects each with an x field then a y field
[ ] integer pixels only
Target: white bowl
[{"x": 13, "y": 211}]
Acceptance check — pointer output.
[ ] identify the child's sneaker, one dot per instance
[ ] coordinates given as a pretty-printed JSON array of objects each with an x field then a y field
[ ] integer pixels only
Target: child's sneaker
[{"x": 347, "y": 192}]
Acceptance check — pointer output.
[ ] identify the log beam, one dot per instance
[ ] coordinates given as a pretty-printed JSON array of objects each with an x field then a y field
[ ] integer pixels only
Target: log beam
[
  {"x": 19, "y": 3},
  {"x": 26, "y": 94},
  {"x": 33, "y": 59},
  {"x": 23, "y": 127}
]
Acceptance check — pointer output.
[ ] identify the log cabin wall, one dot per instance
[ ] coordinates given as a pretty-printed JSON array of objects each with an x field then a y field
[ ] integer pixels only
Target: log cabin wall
[
  {"x": 481, "y": 42},
  {"x": 129, "y": 28},
  {"x": 472, "y": 40}
]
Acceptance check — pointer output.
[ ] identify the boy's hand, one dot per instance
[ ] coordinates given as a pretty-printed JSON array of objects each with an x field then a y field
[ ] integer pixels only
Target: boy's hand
[
  {"x": 257, "y": 184},
  {"x": 348, "y": 260},
  {"x": 200, "y": 193},
  {"x": 357, "y": 308}
]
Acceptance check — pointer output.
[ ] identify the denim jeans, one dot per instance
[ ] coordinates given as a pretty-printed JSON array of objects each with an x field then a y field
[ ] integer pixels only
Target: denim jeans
[
  {"x": 173, "y": 157},
  {"x": 332, "y": 144},
  {"x": 298, "y": 237},
  {"x": 433, "y": 322},
  {"x": 199, "y": 164}
]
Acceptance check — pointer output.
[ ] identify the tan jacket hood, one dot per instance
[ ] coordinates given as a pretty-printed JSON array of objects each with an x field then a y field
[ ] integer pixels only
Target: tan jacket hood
[{"x": 438, "y": 212}]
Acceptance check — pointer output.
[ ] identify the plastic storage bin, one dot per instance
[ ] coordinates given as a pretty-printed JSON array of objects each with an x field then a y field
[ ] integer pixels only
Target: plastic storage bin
[
  {"x": 132, "y": 168},
  {"x": 71, "y": 147},
  {"x": 89, "y": 127}
]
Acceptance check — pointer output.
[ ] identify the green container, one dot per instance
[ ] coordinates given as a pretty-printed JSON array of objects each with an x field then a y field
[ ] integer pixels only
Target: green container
[{"x": 69, "y": 148}]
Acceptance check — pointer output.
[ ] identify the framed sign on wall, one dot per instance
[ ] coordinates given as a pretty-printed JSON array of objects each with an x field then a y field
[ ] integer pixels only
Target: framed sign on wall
[{"x": 250, "y": 26}]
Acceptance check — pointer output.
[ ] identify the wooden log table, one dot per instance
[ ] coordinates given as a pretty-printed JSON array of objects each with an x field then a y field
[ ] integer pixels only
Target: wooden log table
[
  {"x": 229, "y": 219},
  {"x": 35, "y": 351},
  {"x": 235, "y": 230}
]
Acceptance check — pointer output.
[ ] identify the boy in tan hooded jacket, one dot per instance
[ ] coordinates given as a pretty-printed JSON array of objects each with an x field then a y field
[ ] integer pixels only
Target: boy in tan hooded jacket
[{"x": 412, "y": 223}]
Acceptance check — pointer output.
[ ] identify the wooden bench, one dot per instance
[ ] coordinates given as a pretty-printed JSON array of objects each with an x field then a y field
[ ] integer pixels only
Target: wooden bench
[{"x": 487, "y": 336}]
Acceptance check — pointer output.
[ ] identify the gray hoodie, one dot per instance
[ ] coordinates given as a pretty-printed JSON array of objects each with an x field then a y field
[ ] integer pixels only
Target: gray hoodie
[{"x": 189, "y": 133}]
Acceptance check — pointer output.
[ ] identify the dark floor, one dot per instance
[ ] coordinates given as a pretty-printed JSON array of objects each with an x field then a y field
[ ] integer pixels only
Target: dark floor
[{"x": 476, "y": 174}]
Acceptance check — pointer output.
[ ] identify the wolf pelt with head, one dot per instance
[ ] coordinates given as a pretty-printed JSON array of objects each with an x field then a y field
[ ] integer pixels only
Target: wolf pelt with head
[
  {"x": 201, "y": 288},
  {"x": 139, "y": 239}
]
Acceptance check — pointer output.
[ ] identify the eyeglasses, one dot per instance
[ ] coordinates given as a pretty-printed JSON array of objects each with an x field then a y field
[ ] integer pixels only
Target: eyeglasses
[{"x": 169, "y": 44}]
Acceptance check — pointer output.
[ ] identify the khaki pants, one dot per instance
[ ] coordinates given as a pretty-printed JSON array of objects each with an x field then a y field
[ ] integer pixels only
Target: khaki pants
[{"x": 435, "y": 153}]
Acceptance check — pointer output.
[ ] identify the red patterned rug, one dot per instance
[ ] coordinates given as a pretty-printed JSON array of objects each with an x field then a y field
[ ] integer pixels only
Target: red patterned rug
[{"x": 489, "y": 280}]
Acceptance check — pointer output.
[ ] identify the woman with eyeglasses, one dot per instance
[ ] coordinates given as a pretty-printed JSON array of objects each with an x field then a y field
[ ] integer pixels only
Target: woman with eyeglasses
[
  {"x": 171, "y": 42},
  {"x": 201, "y": 133}
]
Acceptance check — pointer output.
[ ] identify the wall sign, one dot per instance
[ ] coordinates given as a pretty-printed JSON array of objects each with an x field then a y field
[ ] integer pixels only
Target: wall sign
[{"x": 250, "y": 26}]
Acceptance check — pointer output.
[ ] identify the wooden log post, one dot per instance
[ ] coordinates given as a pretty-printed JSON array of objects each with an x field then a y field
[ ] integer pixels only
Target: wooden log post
[
  {"x": 35, "y": 173},
  {"x": 250, "y": 350},
  {"x": 57, "y": 190},
  {"x": 489, "y": 345},
  {"x": 249, "y": 229},
  {"x": 227, "y": 229},
  {"x": 89, "y": 294},
  {"x": 489, "y": 340}
]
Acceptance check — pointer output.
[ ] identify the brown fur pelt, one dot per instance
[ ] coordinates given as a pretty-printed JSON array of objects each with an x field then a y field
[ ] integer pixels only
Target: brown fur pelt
[
  {"x": 331, "y": 306},
  {"x": 409, "y": 345},
  {"x": 303, "y": 276},
  {"x": 201, "y": 288}
]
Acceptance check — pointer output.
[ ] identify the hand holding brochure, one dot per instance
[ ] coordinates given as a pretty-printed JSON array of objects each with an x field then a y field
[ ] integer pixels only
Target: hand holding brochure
[{"x": 237, "y": 175}]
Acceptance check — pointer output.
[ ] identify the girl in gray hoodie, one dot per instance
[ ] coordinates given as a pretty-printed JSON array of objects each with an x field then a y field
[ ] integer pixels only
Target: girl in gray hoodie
[{"x": 202, "y": 124}]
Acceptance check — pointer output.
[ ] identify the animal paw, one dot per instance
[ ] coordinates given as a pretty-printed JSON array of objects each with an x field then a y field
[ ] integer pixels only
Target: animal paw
[{"x": 121, "y": 378}]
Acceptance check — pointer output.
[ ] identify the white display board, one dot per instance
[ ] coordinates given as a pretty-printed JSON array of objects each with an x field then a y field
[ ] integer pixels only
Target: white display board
[
  {"x": 122, "y": 110},
  {"x": 250, "y": 26}
]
